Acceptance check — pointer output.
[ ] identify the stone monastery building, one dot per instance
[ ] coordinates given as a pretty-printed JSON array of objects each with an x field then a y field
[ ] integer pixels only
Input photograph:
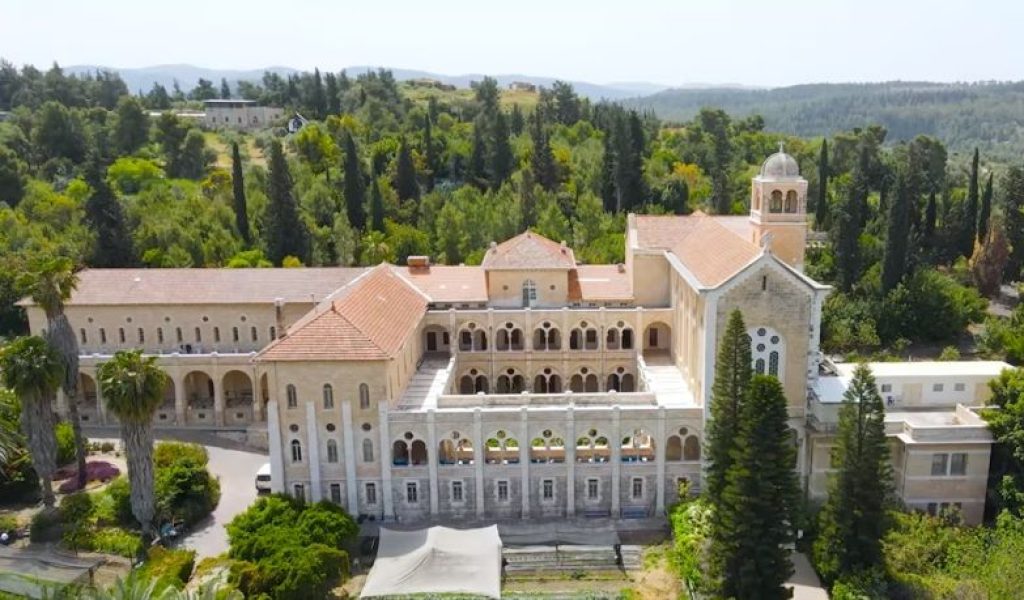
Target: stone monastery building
[{"x": 529, "y": 386}]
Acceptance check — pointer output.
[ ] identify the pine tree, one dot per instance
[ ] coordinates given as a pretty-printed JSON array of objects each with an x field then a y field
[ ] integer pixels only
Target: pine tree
[
  {"x": 238, "y": 189},
  {"x": 376, "y": 207},
  {"x": 332, "y": 93},
  {"x": 428, "y": 151},
  {"x": 894, "y": 262},
  {"x": 286, "y": 232},
  {"x": 749, "y": 553},
  {"x": 405, "y": 175},
  {"x": 821, "y": 209},
  {"x": 986, "y": 209},
  {"x": 501, "y": 158},
  {"x": 852, "y": 521},
  {"x": 609, "y": 198},
  {"x": 969, "y": 233},
  {"x": 732, "y": 379},
  {"x": 542, "y": 160},
  {"x": 105, "y": 215},
  {"x": 355, "y": 185}
]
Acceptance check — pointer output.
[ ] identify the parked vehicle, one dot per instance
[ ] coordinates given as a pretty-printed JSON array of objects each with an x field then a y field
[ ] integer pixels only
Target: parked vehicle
[{"x": 263, "y": 478}]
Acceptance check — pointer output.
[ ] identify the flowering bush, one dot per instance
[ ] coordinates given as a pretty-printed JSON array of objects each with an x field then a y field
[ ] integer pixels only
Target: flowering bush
[{"x": 98, "y": 470}]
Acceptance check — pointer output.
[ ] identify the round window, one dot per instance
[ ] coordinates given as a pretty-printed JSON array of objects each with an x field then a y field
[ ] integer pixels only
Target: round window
[
  {"x": 293, "y": 428},
  {"x": 761, "y": 332},
  {"x": 775, "y": 339},
  {"x": 760, "y": 347},
  {"x": 408, "y": 435},
  {"x": 367, "y": 427},
  {"x": 501, "y": 434},
  {"x": 330, "y": 427},
  {"x": 683, "y": 431},
  {"x": 547, "y": 433},
  {"x": 455, "y": 435}
]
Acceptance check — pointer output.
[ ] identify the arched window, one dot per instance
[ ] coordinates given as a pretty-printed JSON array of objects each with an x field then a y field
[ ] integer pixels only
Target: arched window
[
  {"x": 332, "y": 451},
  {"x": 367, "y": 451},
  {"x": 691, "y": 448},
  {"x": 776, "y": 202},
  {"x": 296, "y": 451},
  {"x": 328, "y": 396},
  {"x": 364, "y": 396},
  {"x": 400, "y": 454},
  {"x": 216, "y": 334},
  {"x": 254, "y": 334},
  {"x": 293, "y": 397},
  {"x": 768, "y": 350},
  {"x": 673, "y": 449},
  {"x": 81, "y": 333},
  {"x": 529, "y": 292},
  {"x": 791, "y": 201},
  {"x": 234, "y": 334}
]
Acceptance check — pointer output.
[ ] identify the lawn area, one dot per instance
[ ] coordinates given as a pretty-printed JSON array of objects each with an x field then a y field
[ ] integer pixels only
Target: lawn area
[{"x": 216, "y": 142}]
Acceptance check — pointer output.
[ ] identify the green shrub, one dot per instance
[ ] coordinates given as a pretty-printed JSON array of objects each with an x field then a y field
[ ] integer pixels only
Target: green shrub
[
  {"x": 8, "y": 523},
  {"x": 118, "y": 509},
  {"x": 185, "y": 490},
  {"x": 168, "y": 453},
  {"x": 171, "y": 566},
  {"x": 76, "y": 512},
  {"x": 107, "y": 447},
  {"x": 114, "y": 540},
  {"x": 46, "y": 526},
  {"x": 691, "y": 526},
  {"x": 65, "y": 443}
]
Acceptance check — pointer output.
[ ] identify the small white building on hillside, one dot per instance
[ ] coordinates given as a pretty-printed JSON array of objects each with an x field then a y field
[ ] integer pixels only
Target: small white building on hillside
[{"x": 239, "y": 114}]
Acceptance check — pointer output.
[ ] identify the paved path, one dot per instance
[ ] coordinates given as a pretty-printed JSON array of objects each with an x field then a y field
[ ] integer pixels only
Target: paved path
[
  {"x": 235, "y": 466},
  {"x": 805, "y": 582}
]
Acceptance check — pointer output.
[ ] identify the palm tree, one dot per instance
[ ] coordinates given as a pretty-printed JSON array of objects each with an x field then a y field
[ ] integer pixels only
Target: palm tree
[
  {"x": 50, "y": 283},
  {"x": 33, "y": 370},
  {"x": 133, "y": 387}
]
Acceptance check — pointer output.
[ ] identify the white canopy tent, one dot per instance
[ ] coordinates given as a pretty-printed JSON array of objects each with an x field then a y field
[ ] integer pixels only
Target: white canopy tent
[{"x": 437, "y": 560}]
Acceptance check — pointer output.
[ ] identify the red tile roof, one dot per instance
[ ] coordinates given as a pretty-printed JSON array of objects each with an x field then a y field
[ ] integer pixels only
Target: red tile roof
[
  {"x": 371, "y": 319},
  {"x": 107, "y": 287},
  {"x": 529, "y": 250},
  {"x": 710, "y": 250}
]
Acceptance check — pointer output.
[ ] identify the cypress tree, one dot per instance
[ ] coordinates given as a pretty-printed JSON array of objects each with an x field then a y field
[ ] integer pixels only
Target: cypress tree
[
  {"x": 501, "y": 158},
  {"x": 238, "y": 191},
  {"x": 970, "y": 225},
  {"x": 376, "y": 207},
  {"x": 428, "y": 151},
  {"x": 317, "y": 99},
  {"x": 732, "y": 379},
  {"x": 852, "y": 521},
  {"x": 894, "y": 262},
  {"x": 749, "y": 549},
  {"x": 821, "y": 209},
  {"x": 1013, "y": 209},
  {"x": 355, "y": 185},
  {"x": 608, "y": 195},
  {"x": 225, "y": 89},
  {"x": 516, "y": 121},
  {"x": 985, "y": 213},
  {"x": 405, "y": 175},
  {"x": 542, "y": 160},
  {"x": 478, "y": 158},
  {"x": 333, "y": 94},
  {"x": 286, "y": 232},
  {"x": 105, "y": 215},
  {"x": 849, "y": 219}
]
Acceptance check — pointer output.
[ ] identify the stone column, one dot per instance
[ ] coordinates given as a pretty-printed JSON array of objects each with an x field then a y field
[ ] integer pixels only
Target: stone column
[
  {"x": 570, "y": 462},
  {"x": 524, "y": 460},
  {"x": 62, "y": 403},
  {"x": 313, "y": 440},
  {"x": 478, "y": 460},
  {"x": 616, "y": 458},
  {"x": 659, "y": 461},
  {"x": 218, "y": 400},
  {"x": 385, "y": 459},
  {"x": 180, "y": 403},
  {"x": 101, "y": 406},
  {"x": 257, "y": 397},
  {"x": 277, "y": 483},
  {"x": 432, "y": 458},
  {"x": 348, "y": 440}
]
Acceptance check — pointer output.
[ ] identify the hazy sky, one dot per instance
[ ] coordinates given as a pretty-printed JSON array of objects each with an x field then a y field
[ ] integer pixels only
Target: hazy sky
[{"x": 768, "y": 42}]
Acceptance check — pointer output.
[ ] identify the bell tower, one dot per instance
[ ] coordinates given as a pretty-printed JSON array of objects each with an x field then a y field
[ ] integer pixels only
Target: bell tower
[{"x": 778, "y": 208}]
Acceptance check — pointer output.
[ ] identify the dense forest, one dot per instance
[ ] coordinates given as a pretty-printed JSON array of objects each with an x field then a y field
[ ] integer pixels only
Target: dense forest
[
  {"x": 912, "y": 238},
  {"x": 987, "y": 115}
]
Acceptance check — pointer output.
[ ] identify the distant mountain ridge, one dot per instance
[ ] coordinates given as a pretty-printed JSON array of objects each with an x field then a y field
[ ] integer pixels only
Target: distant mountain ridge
[{"x": 143, "y": 78}]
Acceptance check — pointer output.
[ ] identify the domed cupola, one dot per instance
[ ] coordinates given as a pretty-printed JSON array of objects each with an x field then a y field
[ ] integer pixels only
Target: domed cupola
[{"x": 780, "y": 166}]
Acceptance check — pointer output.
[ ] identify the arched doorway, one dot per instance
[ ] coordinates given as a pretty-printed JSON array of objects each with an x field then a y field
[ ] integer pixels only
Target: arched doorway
[
  {"x": 657, "y": 338},
  {"x": 88, "y": 400},
  {"x": 238, "y": 398},
  {"x": 165, "y": 414},
  {"x": 436, "y": 340},
  {"x": 198, "y": 398}
]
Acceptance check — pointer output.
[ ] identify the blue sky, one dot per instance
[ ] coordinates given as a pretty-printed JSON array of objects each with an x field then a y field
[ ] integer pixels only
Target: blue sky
[{"x": 749, "y": 42}]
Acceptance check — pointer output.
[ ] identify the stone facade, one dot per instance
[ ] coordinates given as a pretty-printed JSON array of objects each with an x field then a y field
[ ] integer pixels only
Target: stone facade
[{"x": 528, "y": 387}]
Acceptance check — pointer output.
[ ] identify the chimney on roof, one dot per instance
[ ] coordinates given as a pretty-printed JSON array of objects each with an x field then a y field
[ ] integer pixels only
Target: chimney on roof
[
  {"x": 418, "y": 262},
  {"x": 279, "y": 317}
]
